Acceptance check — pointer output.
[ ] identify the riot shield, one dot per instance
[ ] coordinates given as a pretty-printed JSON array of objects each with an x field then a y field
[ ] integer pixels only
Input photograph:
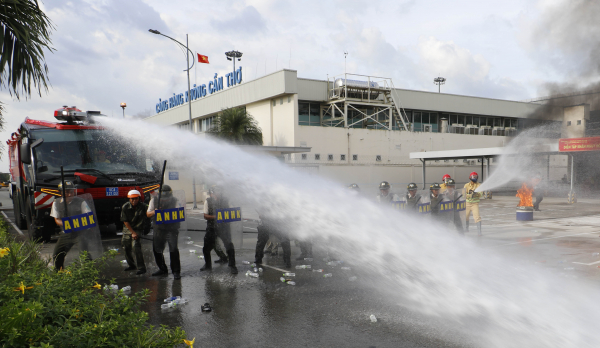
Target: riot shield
[
  {"x": 232, "y": 218},
  {"x": 424, "y": 205},
  {"x": 82, "y": 224},
  {"x": 460, "y": 207},
  {"x": 170, "y": 220},
  {"x": 399, "y": 203}
]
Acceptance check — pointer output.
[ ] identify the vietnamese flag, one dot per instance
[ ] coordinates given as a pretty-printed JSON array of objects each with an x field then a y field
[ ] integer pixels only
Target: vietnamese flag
[{"x": 202, "y": 59}]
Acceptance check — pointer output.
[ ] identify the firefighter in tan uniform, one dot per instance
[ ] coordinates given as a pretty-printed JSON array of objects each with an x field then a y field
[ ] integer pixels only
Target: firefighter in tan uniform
[
  {"x": 443, "y": 186},
  {"x": 473, "y": 201}
]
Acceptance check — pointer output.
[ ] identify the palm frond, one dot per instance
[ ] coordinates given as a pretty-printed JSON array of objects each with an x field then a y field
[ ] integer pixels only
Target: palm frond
[{"x": 24, "y": 35}]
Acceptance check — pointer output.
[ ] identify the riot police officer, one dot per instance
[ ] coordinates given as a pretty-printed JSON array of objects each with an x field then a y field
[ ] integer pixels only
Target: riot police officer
[
  {"x": 453, "y": 196},
  {"x": 165, "y": 233},
  {"x": 385, "y": 196},
  {"x": 436, "y": 198},
  {"x": 412, "y": 197},
  {"x": 268, "y": 226},
  {"x": 66, "y": 241},
  {"x": 213, "y": 203}
]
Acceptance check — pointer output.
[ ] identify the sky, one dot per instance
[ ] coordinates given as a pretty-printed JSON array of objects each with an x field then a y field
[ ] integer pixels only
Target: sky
[{"x": 506, "y": 49}]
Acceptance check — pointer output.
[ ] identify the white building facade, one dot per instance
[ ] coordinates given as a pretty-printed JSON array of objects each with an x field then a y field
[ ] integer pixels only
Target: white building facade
[{"x": 362, "y": 129}]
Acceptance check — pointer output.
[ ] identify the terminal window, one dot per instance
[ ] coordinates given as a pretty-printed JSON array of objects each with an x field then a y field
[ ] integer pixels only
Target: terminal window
[
  {"x": 568, "y": 123},
  {"x": 342, "y": 157},
  {"x": 330, "y": 157},
  {"x": 317, "y": 157},
  {"x": 378, "y": 158},
  {"x": 355, "y": 157},
  {"x": 578, "y": 122},
  {"x": 309, "y": 114},
  {"x": 304, "y": 156}
]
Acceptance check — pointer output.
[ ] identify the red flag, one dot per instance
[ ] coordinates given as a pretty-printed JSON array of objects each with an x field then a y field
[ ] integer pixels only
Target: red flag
[{"x": 202, "y": 59}]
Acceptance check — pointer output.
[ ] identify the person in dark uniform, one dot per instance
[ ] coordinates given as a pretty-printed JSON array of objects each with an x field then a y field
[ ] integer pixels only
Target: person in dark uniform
[
  {"x": 454, "y": 196},
  {"x": 436, "y": 198},
  {"x": 270, "y": 226},
  {"x": 165, "y": 233},
  {"x": 412, "y": 198},
  {"x": 213, "y": 203},
  {"x": 133, "y": 216},
  {"x": 66, "y": 241}
]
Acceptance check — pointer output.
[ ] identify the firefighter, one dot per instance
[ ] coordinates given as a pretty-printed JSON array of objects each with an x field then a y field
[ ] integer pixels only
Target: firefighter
[
  {"x": 436, "y": 198},
  {"x": 443, "y": 186},
  {"x": 164, "y": 233},
  {"x": 453, "y": 196},
  {"x": 412, "y": 197},
  {"x": 473, "y": 201},
  {"x": 133, "y": 216},
  {"x": 385, "y": 196},
  {"x": 538, "y": 191},
  {"x": 75, "y": 206},
  {"x": 213, "y": 230},
  {"x": 354, "y": 187},
  {"x": 269, "y": 226}
]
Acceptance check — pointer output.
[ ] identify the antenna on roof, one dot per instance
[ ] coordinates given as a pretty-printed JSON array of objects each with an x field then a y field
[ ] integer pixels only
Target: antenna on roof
[{"x": 345, "y": 55}]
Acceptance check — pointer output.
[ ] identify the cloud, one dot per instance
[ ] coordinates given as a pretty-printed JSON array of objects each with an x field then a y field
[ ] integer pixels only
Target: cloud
[
  {"x": 247, "y": 21},
  {"x": 465, "y": 71}
]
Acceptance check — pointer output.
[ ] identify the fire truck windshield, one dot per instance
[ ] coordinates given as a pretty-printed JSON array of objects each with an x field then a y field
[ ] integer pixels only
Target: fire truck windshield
[{"x": 87, "y": 149}]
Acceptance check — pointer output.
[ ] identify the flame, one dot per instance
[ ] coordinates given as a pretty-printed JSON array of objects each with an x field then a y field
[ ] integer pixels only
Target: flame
[{"x": 524, "y": 194}]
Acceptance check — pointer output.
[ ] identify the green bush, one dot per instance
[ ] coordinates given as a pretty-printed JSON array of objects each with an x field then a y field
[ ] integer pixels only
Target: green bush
[{"x": 43, "y": 308}]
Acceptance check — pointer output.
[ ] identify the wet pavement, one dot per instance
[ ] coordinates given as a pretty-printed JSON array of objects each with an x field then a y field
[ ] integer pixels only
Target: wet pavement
[{"x": 334, "y": 312}]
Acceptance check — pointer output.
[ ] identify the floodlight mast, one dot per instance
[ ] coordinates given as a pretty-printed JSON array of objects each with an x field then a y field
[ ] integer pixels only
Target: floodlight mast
[
  {"x": 232, "y": 55},
  {"x": 439, "y": 81}
]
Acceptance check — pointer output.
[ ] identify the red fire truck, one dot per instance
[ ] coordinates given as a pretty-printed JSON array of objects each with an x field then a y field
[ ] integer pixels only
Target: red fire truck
[{"x": 97, "y": 161}]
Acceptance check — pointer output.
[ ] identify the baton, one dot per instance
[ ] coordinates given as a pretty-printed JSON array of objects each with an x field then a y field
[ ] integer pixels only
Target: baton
[
  {"x": 162, "y": 181},
  {"x": 62, "y": 179}
]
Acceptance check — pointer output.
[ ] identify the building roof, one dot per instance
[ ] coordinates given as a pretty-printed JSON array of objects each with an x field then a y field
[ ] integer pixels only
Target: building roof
[{"x": 487, "y": 152}]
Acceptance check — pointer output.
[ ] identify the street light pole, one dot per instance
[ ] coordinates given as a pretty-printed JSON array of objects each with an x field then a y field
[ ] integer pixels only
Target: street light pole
[
  {"x": 189, "y": 95},
  {"x": 190, "y": 113},
  {"x": 123, "y": 105}
]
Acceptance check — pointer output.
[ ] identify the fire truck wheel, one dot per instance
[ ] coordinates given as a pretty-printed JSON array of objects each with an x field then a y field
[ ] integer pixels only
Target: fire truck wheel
[{"x": 19, "y": 221}]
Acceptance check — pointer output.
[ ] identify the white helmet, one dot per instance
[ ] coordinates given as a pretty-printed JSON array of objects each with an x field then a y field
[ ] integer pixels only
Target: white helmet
[{"x": 133, "y": 194}]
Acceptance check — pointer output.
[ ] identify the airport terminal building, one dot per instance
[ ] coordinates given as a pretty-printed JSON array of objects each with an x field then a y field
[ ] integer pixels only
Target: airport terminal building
[{"x": 361, "y": 129}]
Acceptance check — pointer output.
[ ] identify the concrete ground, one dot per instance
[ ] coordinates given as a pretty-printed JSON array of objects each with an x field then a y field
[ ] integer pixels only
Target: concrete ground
[{"x": 334, "y": 312}]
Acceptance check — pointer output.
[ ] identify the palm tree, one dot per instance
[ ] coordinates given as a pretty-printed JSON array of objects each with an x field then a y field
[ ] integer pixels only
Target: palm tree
[
  {"x": 25, "y": 33},
  {"x": 237, "y": 126}
]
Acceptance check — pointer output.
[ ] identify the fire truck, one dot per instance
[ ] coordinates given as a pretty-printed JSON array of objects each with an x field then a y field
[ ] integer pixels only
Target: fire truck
[{"x": 96, "y": 161}]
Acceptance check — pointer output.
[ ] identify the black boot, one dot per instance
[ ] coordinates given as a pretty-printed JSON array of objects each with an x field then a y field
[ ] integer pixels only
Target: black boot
[
  {"x": 208, "y": 261},
  {"x": 479, "y": 229},
  {"x": 231, "y": 256},
  {"x": 222, "y": 256},
  {"x": 175, "y": 264},
  {"x": 287, "y": 253},
  {"x": 162, "y": 266}
]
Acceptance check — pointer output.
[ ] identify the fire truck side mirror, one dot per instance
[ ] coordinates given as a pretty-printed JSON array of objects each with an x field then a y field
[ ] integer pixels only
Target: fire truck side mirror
[
  {"x": 26, "y": 150},
  {"x": 26, "y": 153}
]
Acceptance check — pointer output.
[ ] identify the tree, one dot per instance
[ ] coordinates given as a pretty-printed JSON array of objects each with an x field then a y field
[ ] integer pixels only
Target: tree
[
  {"x": 237, "y": 126},
  {"x": 25, "y": 33}
]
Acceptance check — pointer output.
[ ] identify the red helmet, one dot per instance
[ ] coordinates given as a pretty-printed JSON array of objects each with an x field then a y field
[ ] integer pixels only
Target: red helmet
[
  {"x": 446, "y": 177},
  {"x": 473, "y": 176}
]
